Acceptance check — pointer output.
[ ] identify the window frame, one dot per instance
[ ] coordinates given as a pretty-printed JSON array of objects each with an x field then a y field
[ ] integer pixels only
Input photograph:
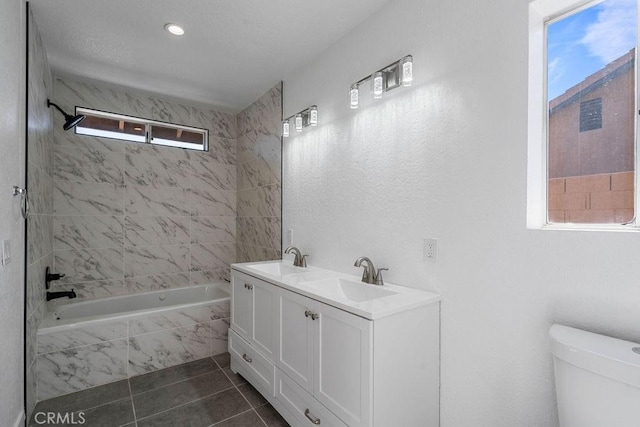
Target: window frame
[
  {"x": 542, "y": 13},
  {"x": 148, "y": 127}
]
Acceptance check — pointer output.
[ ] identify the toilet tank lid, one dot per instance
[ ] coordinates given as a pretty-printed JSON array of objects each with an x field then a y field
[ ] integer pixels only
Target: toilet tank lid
[{"x": 606, "y": 356}]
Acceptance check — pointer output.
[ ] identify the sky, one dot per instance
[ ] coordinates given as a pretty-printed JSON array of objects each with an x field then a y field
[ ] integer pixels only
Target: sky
[{"x": 583, "y": 43}]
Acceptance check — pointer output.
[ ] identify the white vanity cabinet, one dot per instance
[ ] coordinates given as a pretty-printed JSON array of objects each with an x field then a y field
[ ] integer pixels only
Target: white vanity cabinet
[
  {"x": 327, "y": 352},
  {"x": 253, "y": 312},
  {"x": 339, "y": 364},
  {"x": 253, "y": 328}
]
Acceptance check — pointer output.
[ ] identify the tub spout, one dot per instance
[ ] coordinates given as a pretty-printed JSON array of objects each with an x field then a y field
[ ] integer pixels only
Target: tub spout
[{"x": 54, "y": 295}]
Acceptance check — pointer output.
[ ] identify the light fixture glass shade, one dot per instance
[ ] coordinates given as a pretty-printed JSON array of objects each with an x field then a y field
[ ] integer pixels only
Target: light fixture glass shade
[
  {"x": 313, "y": 115},
  {"x": 354, "y": 95},
  {"x": 174, "y": 29},
  {"x": 406, "y": 64},
  {"x": 298, "y": 122},
  {"x": 378, "y": 84},
  {"x": 285, "y": 128}
]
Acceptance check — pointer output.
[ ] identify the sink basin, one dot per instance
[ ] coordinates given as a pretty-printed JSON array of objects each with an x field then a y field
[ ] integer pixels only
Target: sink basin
[
  {"x": 276, "y": 268},
  {"x": 349, "y": 289}
]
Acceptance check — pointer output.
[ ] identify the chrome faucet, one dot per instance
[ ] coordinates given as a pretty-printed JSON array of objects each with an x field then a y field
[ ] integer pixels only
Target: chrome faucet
[
  {"x": 370, "y": 274},
  {"x": 299, "y": 260}
]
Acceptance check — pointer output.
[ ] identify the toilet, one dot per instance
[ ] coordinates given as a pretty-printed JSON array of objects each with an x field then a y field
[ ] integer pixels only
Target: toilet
[{"x": 597, "y": 379}]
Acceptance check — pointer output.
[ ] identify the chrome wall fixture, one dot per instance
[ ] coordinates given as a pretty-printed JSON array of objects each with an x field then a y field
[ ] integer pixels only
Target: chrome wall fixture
[
  {"x": 399, "y": 73},
  {"x": 302, "y": 119},
  {"x": 24, "y": 200}
]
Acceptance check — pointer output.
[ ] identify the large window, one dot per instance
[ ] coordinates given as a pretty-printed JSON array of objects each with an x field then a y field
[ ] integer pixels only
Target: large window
[
  {"x": 135, "y": 129},
  {"x": 582, "y": 113}
]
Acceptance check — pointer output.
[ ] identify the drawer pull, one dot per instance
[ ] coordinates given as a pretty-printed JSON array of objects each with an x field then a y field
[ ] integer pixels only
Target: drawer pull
[
  {"x": 309, "y": 313},
  {"x": 311, "y": 418},
  {"x": 247, "y": 358},
  {"x": 247, "y": 286}
]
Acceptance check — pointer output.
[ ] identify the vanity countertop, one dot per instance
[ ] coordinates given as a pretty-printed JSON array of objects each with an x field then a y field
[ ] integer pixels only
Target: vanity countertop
[{"x": 340, "y": 290}]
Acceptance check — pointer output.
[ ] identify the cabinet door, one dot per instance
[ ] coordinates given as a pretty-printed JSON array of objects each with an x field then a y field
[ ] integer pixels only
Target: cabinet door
[
  {"x": 343, "y": 362},
  {"x": 241, "y": 307},
  {"x": 296, "y": 338},
  {"x": 264, "y": 317}
]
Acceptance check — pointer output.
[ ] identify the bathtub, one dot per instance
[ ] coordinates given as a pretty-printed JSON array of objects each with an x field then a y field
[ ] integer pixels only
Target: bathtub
[{"x": 90, "y": 343}]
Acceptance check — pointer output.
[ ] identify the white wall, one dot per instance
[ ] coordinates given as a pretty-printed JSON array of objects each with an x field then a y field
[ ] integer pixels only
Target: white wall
[
  {"x": 447, "y": 159},
  {"x": 12, "y": 152}
]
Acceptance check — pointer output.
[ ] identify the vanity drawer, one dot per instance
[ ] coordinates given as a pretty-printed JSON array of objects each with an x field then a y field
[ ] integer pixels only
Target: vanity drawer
[
  {"x": 261, "y": 369},
  {"x": 304, "y": 407}
]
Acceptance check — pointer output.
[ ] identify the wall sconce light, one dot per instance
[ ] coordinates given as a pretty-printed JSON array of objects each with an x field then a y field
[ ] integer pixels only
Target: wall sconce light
[
  {"x": 301, "y": 120},
  {"x": 355, "y": 95},
  {"x": 399, "y": 73}
]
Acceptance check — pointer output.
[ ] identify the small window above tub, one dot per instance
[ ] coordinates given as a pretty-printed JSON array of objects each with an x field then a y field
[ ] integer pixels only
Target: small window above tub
[{"x": 135, "y": 129}]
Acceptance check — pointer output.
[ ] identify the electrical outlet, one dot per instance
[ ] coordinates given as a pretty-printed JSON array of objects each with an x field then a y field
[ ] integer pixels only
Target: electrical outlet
[
  {"x": 431, "y": 250},
  {"x": 290, "y": 236},
  {"x": 6, "y": 252}
]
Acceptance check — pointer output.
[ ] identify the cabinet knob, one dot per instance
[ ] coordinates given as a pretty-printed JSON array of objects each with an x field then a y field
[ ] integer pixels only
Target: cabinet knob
[
  {"x": 311, "y": 418},
  {"x": 248, "y": 286},
  {"x": 247, "y": 358},
  {"x": 309, "y": 313}
]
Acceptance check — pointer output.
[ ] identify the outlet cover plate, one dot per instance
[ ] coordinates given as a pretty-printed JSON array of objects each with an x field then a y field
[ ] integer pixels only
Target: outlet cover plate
[{"x": 430, "y": 250}]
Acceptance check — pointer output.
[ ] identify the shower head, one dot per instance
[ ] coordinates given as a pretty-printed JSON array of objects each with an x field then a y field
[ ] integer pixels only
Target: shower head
[{"x": 69, "y": 120}]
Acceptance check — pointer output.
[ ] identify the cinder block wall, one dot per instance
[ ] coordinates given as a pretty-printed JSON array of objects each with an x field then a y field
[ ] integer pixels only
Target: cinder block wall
[{"x": 603, "y": 198}]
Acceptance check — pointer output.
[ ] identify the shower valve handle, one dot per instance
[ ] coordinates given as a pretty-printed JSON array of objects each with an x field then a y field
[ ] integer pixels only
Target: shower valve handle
[{"x": 50, "y": 277}]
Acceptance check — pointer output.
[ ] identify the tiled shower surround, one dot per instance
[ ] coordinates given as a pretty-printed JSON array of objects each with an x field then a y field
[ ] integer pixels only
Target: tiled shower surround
[
  {"x": 259, "y": 179},
  {"x": 132, "y": 217},
  {"x": 129, "y": 218}
]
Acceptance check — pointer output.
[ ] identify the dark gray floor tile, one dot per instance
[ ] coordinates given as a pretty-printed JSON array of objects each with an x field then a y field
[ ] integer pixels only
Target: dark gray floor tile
[
  {"x": 223, "y": 360},
  {"x": 114, "y": 414},
  {"x": 146, "y": 382},
  {"x": 85, "y": 399},
  {"x": 179, "y": 393},
  {"x": 246, "y": 419},
  {"x": 201, "y": 413},
  {"x": 271, "y": 417},
  {"x": 252, "y": 395},
  {"x": 236, "y": 379}
]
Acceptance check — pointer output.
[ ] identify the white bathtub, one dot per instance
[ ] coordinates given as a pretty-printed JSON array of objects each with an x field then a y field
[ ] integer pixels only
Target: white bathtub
[
  {"x": 73, "y": 314},
  {"x": 89, "y": 343}
]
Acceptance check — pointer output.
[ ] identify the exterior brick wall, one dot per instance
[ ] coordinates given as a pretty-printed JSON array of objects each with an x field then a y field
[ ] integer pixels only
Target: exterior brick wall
[{"x": 602, "y": 198}]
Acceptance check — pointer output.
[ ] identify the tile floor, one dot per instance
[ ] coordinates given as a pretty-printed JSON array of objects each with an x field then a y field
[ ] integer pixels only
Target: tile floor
[{"x": 197, "y": 394}]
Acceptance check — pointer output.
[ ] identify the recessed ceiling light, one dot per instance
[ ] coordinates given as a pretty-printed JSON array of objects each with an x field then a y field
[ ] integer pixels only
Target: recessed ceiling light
[{"x": 174, "y": 29}]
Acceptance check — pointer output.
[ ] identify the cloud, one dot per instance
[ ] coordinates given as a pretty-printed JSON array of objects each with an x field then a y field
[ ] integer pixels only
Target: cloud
[
  {"x": 555, "y": 69},
  {"x": 614, "y": 32}
]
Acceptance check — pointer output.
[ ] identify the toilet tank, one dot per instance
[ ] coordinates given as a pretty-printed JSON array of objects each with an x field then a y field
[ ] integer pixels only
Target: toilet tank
[{"x": 597, "y": 379}]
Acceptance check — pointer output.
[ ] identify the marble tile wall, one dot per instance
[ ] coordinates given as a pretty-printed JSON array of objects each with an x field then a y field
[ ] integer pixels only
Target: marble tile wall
[
  {"x": 132, "y": 217},
  {"x": 40, "y": 189},
  {"x": 259, "y": 200},
  {"x": 96, "y": 354}
]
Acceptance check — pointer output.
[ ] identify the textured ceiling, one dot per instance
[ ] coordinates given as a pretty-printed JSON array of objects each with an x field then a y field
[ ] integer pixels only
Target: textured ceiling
[{"x": 233, "y": 50}]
